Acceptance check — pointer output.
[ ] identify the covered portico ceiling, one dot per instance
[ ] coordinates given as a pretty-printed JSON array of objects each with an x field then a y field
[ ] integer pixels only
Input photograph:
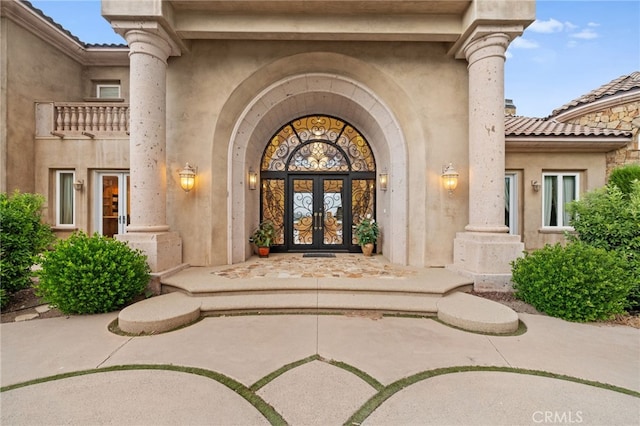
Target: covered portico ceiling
[
  {"x": 355, "y": 7},
  {"x": 370, "y": 20},
  {"x": 440, "y": 21}
]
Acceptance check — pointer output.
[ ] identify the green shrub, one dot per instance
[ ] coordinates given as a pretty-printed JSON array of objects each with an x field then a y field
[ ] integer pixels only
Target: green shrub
[
  {"x": 609, "y": 219},
  {"x": 577, "y": 282},
  {"x": 623, "y": 177},
  {"x": 85, "y": 275},
  {"x": 23, "y": 236},
  {"x": 4, "y": 298}
]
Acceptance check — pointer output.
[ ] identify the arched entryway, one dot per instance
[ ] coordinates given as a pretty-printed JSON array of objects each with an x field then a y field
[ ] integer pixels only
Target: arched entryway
[
  {"x": 318, "y": 180},
  {"x": 316, "y": 93}
]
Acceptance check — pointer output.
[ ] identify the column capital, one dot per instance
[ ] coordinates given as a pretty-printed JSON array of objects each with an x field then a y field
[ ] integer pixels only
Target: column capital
[
  {"x": 485, "y": 36},
  {"x": 147, "y": 37},
  {"x": 490, "y": 45}
]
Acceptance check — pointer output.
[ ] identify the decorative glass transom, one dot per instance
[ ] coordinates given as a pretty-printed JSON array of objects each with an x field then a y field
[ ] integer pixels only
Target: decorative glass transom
[{"x": 318, "y": 143}]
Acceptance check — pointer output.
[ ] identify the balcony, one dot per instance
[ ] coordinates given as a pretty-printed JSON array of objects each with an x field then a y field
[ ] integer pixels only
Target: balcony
[{"x": 82, "y": 119}]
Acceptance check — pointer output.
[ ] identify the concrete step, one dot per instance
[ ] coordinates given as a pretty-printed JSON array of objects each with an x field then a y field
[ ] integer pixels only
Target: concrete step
[
  {"x": 339, "y": 301},
  {"x": 279, "y": 286}
]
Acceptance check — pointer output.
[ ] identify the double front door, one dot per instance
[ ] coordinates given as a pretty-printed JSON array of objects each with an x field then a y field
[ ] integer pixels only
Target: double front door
[{"x": 319, "y": 213}]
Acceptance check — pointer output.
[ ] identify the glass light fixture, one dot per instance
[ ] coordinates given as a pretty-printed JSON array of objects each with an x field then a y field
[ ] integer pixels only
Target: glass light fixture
[
  {"x": 383, "y": 178},
  {"x": 450, "y": 178},
  {"x": 253, "y": 179},
  {"x": 188, "y": 177},
  {"x": 77, "y": 185}
]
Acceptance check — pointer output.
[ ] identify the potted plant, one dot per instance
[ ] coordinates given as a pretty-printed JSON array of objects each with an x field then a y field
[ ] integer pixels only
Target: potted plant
[
  {"x": 263, "y": 237},
  {"x": 367, "y": 233}
]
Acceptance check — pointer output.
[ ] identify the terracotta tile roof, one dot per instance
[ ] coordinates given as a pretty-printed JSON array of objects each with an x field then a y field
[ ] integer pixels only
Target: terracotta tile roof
[
  {"x": 621, "y": 84},
  {"x": 528, "y": 126},
  {"x": 67, "y": 32}
]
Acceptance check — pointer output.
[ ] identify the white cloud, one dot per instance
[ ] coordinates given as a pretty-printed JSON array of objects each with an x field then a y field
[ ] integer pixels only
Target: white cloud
[
  {"x": 572, "y": 43},
  {"x": 586, "y": 34},
  {"x": 508, "y": 55},
  {"x": 546, "y": 27},
  {"x": 593, "y": 24},
  {"x": 570, "y": 26},
  {"x": 523, "y": 43}
]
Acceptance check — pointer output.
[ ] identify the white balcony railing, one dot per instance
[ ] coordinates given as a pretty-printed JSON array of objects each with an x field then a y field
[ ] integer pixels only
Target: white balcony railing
[{"x": 82, "y": 118}]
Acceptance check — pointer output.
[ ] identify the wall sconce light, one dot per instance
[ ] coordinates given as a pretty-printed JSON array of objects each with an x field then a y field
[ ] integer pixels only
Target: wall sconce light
[
  {"x": 188, "y": 177},
  {"x": 253, "y": 180},
  {"x": 384, "y": 180},
  {"x": 77, "y": 185},
  {"x": 535, "y": 185},
  {"x": 449, "y": 178}
]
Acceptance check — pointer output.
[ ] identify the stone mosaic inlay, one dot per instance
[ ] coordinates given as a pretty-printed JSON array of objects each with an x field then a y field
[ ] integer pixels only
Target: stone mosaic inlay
[{"x": 344, "y": 266}]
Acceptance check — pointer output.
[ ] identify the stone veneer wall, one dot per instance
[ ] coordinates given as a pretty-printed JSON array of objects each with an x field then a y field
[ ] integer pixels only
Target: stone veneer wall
[{"x": 621, "y": 117}]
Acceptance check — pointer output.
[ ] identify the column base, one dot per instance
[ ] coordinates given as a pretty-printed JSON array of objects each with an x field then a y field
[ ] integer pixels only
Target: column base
[
  {"x": 486, "y": 258},
  {"x": 163, "y": 249}
]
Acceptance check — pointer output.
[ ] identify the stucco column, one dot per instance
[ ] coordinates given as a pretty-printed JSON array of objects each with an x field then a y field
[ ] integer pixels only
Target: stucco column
[
  {"x": 486, "y": 58},
  {"x": 485, "y": 251},
  {"x": 147, "y": 144},
  {"x": 148, "y": 229}
]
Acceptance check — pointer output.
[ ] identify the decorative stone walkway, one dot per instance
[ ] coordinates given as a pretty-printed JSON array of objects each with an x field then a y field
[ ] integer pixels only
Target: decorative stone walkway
[{"x": 296, "y": 266}]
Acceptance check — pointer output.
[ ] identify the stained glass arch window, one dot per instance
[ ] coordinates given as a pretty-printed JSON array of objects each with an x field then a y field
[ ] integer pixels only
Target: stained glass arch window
[{"x": 318, "y": 143}]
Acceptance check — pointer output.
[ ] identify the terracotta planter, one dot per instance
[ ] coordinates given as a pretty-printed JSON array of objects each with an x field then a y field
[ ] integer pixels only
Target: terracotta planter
[
  {"x": 263, "y": 251},
  {"x": 367, "y": 249}
]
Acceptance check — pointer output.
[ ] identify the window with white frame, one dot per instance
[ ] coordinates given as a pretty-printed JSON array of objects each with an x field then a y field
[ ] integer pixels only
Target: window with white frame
[
  {"x": 558, "y": 190},
  {"x": 65, "y": 198},
  {"x": 108, "y": 91},
  {"x": 511, "y": 202}
]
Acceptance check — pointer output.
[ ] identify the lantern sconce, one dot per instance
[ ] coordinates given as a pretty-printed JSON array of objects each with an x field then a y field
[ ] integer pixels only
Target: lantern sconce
[
  {"x": 535, "y": 185},
  {"x": 449, "y": 178},
  {"x": 188, "y": 177},
  {"x": 77, "y": 185},
  {"x": 384, "y": 180},
  {"x": 253, "y": 180}
]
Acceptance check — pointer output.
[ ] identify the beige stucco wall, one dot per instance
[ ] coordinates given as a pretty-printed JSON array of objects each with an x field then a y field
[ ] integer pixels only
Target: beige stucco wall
[
  {"x": 209, "y": 87},
  {"x": 34, "y": 71},
  {"x": 84, "y": 156},
  {"x": 92, "y": 74},
  {"x": 530, "y": 166}
]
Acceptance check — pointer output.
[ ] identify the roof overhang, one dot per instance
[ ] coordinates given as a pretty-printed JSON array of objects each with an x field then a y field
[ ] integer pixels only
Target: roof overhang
[
  {"x": 565, "y": 144},
  {"x": 599, "y": 105},
  {"x": 29, "y": 19}
]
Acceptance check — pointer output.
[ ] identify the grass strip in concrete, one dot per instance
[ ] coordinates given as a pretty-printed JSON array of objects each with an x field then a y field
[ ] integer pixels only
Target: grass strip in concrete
[
  {"x": 280, "y": 371},
  {"x": 387, "y": 392},
  {"x": 250, "y": 396},
  {"x": 356, "y": 371}
]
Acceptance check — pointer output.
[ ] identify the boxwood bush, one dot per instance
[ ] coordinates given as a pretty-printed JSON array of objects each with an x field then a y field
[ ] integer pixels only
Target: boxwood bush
[
  {"x": 23, "y": 236},
  {"x": 577, "y": 282},
  {"x": 86, "y": 275}
]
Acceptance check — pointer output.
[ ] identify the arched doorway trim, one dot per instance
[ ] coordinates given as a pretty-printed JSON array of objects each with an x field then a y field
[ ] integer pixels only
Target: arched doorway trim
[{"x": 311, "y": 93}]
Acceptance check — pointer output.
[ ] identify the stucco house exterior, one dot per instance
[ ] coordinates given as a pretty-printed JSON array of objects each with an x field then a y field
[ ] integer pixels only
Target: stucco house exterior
[{"x": 307, "y": 113}]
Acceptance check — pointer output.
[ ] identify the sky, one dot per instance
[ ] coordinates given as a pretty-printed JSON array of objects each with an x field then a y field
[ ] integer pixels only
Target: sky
[{"x": 573, "y": 47}]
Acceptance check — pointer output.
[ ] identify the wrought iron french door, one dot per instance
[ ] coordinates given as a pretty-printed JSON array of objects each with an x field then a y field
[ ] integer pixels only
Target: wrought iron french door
[
  {"x": 317, "y": 178},
  {"x": 316, "y": 219}
]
